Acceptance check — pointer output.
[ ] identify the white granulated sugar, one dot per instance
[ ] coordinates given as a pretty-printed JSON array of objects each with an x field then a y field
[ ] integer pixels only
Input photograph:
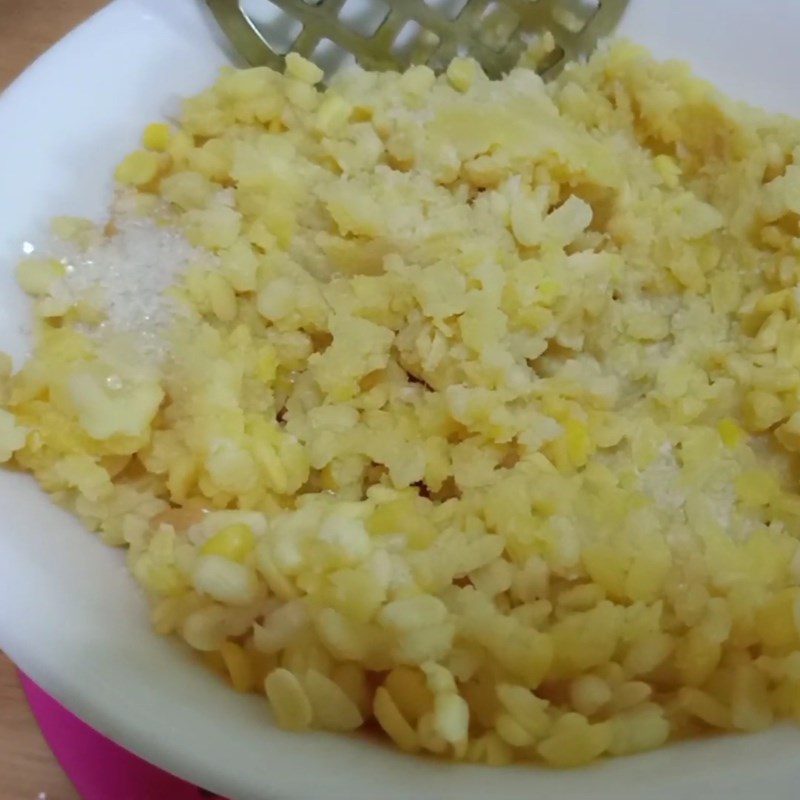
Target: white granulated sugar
[
  {"x": 722, "y": 501},
  {"x": 661, "y": 481},
  {"x": 128, "y": 274}
]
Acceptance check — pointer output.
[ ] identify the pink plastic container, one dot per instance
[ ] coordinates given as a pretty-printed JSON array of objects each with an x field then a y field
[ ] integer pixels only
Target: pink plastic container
[{"x": 100, "y": 769}]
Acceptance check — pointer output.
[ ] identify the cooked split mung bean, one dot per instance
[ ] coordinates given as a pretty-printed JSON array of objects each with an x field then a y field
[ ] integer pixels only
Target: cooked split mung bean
[{"x": 470, "y": 411}]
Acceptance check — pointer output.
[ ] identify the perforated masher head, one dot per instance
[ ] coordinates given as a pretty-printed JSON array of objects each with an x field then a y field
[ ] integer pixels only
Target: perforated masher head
[{"x": 394, "y": 34}]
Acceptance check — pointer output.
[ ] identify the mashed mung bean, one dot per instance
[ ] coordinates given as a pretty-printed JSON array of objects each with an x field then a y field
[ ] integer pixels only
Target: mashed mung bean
[{"x": 475, "y": 418}]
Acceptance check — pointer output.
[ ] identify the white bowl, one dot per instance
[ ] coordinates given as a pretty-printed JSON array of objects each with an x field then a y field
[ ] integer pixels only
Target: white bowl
[{"x": 70, "y": 615}]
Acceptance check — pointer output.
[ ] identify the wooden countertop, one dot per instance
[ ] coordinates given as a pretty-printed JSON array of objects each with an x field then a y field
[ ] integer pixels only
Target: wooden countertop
[{"x": 28, "y": 770}]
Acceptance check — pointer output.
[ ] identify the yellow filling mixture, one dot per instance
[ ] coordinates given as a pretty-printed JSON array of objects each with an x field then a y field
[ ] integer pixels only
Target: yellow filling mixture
[{"x": 478, "y": 416}]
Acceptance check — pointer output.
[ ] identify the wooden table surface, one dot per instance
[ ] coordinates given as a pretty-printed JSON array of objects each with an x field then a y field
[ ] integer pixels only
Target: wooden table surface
[{"x": 28, "y": 770}]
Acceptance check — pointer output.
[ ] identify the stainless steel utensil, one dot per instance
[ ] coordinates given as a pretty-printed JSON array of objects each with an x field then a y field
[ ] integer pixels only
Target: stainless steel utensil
[{"x": 404, "y": 32}]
